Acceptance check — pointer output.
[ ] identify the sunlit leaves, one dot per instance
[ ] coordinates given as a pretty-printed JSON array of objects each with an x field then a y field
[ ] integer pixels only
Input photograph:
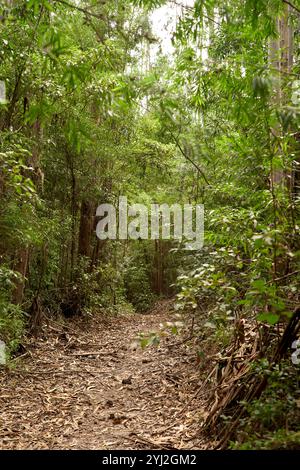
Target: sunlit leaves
[
  {"x": 36, "y": 5},
  {"x": 262, "y": 14},
  {"x": 150, "y": 4},
  {"x": 41, "y": 111},
  {"x": 53, "y": 43},
  {"x": 288, "y": 117},
  {"x": 271, "y": 318},
  {"x": 16, "y": 172}
]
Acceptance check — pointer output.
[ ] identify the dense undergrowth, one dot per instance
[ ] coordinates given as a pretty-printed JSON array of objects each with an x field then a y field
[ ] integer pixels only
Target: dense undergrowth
[{"x": 272, "y": 422}]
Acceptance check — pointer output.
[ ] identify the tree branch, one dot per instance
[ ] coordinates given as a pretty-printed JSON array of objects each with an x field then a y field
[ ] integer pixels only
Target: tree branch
[
  {"x": 285, "y": 276},
  {"x": 82, "y": 10},
  {"x": 188, "y": 158},
  {"x": 190, "y": 8},
  {"x": 291, "y": 5}
]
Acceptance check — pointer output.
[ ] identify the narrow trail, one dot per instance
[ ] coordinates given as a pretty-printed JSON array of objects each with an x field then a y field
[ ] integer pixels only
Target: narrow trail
[{"x": 86, "y": 387}]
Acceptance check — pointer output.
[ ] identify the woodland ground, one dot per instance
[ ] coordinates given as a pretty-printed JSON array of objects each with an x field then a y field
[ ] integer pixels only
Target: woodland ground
[{"x": 68, "y": 390}]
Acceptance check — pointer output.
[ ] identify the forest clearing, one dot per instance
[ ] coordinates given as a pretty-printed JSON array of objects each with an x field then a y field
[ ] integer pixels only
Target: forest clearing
[{"x": 149, "y": 225}]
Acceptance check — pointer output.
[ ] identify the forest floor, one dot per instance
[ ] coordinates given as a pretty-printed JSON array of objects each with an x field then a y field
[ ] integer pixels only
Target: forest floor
[{"x": 85, "y": 385}]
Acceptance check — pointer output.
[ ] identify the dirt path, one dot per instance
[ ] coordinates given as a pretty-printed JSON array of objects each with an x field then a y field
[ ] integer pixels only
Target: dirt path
[{"x": 61, "y": 397}]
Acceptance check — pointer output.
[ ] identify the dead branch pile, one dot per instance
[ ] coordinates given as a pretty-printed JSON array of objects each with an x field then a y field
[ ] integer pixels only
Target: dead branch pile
[{"x": 236, "y": 381}]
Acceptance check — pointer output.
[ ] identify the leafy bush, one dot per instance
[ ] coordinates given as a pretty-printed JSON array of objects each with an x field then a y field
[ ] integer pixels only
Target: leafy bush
[
  {"x": 272, "y": 422},
  {"x": 99, "y": 290},
  {"x": 11, "y": 316},
  {"x": 137, "y": 283}
]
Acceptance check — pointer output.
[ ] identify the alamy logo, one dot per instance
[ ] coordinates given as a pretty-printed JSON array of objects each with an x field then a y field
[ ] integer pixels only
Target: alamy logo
[
  {"x": 182, "y": 223},
  {"x": 296, "y": 92},
  {"x": 296, "y": 353},
  {"x": 2, "y": 92}
]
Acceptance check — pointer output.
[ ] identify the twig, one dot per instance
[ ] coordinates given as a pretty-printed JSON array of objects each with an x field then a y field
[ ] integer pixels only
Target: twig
[
  {"x": 188, "y": 158},
  {"x": 144, "y": 440},
  {"x": 285, "y": 276},
  {"x": 291, "y": 5},
  {"x": 190, "y": 8},
  {"x": 189, "y": 338},
  {"x": 17, "y": 358},
  {"x": 197, "y": 392},
  {"x": 82, "y": 10},
  {"x": 92, "y": 353}
]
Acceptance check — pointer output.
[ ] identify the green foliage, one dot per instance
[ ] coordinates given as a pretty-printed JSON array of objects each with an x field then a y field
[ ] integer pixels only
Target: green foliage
[
  {"x": 137, "y": 282},
  {"x": 150, "y": 4},
  {"x": 279, "y": 440},
  {"x": 14, "y": 169},
  {"x": 148, "y": 339},
  {"x": 272, "y": 422},
  {"x": 11, "y": 316},
  {"x": 153, "y": 338}
]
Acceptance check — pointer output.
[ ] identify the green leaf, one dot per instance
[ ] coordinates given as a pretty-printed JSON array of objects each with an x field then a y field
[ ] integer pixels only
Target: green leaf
[
  {"x": 144, "y": 342},
  {"x": 259, "y": 285},
  {"x": 271, "y": 318}
]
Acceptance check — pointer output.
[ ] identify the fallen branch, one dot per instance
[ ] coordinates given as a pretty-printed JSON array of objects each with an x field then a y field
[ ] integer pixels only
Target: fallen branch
[
  {"x": 246, "y": 386},
  {"x": 92, "y": 353},
  {"x": 144, "y": 440},
  {"x": 284, "y": 277}
]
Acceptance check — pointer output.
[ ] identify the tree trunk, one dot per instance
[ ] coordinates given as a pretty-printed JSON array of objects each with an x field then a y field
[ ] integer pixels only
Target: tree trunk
[
  {"x": 86, "y": 227},
  {"x": 70, "y": 164},
  {"x": 280, "y": 61}
]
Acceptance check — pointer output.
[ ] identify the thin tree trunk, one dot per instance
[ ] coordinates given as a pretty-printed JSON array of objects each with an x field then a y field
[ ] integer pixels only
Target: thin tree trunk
[
  {"x": 70, "y": 163},
  {"x": 281, "y": 61},
  {"x": 85, "y": 228}
]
